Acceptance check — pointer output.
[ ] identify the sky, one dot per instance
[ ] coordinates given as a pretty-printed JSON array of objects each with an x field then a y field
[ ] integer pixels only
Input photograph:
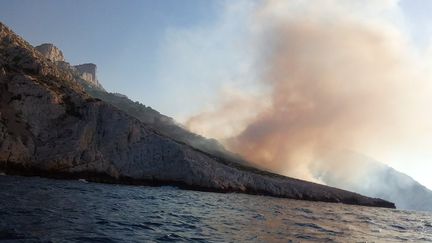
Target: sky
[{"x": 188, "y": 58}]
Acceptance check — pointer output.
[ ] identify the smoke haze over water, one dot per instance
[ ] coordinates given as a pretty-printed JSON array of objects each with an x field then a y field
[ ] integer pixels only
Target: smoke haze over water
[{"x": 337, "y": 75}]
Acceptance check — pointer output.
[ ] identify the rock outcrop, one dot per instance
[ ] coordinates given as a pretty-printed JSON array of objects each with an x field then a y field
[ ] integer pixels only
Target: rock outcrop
[
  {"x": 51, "y": 52},
  {"x": 50, "y": 126},
  {"x": 84, "y": 73},
  {"x": 87, "y": 72}
]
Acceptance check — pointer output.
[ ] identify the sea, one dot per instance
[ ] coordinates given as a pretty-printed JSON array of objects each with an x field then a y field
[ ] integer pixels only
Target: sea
[{"x": 34, "y": 209}]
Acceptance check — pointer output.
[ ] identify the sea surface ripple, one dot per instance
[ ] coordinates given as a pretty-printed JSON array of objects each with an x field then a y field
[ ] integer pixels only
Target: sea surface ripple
[{"x": 35, "y": 209}]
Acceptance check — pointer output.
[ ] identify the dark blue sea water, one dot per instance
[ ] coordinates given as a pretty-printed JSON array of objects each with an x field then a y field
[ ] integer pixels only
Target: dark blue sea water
[{"x": 45, "y": 210}]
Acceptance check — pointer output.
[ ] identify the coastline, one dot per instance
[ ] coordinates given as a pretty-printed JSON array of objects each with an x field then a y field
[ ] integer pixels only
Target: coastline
[{"x": 19, "y": 170}]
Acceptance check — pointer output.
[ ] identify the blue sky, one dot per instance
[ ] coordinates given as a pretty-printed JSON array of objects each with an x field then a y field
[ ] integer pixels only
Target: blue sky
[
  {"x": 419, "y": 19},
  {"x": 175, "y": 56}
]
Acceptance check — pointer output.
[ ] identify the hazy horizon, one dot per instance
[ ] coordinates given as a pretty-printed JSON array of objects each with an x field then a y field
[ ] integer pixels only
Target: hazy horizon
[{"x": 213, "y": 64}]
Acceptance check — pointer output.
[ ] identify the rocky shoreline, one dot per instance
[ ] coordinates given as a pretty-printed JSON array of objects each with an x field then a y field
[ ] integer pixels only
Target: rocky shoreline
[{"x": 17, "y": 170}]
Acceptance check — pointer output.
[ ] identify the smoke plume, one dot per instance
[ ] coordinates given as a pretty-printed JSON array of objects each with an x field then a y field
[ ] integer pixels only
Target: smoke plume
[{"x": 338, "y": 75}]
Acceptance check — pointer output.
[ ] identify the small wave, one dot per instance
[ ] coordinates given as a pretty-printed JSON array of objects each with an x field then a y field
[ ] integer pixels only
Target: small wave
[
  {"x": 171, "y": 237},
  {"x": 142, "y": 226},
  {"x": 365, "y": 218},
  {"x": 401, "y": 238},
  {"x": 154, "y": 224},
  {"x": 309, "y": 225},
  {"x": 93, "y": 239},
  {"x": 319, "y": 228},
  {"x": 377, "y": 230},
  {"x": 398, "y": 227},
  {"x": 312, "y": 238},
  {"x": 304, "y": 210},
  {"x": 259, "y": 217}
]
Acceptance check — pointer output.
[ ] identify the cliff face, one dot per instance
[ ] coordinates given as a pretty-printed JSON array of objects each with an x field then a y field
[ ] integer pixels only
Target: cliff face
[
  {"x": 87, "y": 72},
  {"x": 84, "y": 73},
  {"x": 51, "y": 52},
  {"x": 89, "y": 69},
  {"x": 50, "y": 126},
  {"x": 164, "y": 124}
]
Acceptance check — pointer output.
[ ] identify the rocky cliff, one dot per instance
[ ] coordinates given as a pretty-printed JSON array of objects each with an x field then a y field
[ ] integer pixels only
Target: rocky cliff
[
  {"x": 83, "y": 73},
  {"x": 51, "y": 52},
  {"x": 50, "y": 126},
  {"x": 164, "y": 124},
  {"x": 87, "y": 72}
]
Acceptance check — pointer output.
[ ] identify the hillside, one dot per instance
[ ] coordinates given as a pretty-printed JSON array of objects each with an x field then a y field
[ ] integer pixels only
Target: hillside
[{"x": 164, "y": 124}]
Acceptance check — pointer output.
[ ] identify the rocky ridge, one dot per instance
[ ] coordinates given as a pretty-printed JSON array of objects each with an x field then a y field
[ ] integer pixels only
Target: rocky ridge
[
  {"x": 49, "y": 125},
  {"x": 87, "y": 72},
  {"x": 51, "y": 52},
  {"x": 84, "y": 73},
  {"x": 164, "y": 124}
]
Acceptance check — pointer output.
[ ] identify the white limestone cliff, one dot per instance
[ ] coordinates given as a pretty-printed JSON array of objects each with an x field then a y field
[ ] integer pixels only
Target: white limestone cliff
[{"x": 51, "y": 52}]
